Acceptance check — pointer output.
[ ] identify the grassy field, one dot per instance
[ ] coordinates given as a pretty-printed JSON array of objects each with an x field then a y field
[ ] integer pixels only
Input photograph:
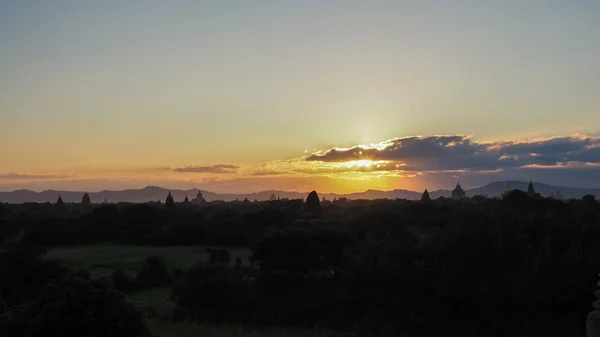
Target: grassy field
[
  {"x": 156, "y": 303},
  {"x": 101, "y": 261}
]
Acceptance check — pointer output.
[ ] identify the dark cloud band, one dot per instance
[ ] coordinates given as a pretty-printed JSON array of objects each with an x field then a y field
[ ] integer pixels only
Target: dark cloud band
[{"x": 461, "y": 152}]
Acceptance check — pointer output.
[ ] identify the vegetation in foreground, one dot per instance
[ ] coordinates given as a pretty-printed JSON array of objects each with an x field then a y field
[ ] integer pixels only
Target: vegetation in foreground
[
  {"x": 102, "y": 260},
  {"x": 521, "y": 266}
]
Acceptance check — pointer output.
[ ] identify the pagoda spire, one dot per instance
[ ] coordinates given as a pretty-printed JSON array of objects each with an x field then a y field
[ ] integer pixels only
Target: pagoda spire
[
  {"x": 425, "y": 196},
  {"x": 86, "y": 199},
  {"x": 530, "y": 189},
  {"x": 170, "y": 201}
]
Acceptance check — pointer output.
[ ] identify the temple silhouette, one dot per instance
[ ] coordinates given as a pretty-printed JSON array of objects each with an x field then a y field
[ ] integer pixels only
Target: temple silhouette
[{"x": 458, "y": 193}]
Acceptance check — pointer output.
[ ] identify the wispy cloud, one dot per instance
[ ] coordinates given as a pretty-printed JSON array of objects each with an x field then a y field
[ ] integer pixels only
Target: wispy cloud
[
  {"x": 267, "y": 172},
  {"x": 409, "y": 161},
  {"x": 219, "y": 169},
  {"x": 34, "y": 176}
]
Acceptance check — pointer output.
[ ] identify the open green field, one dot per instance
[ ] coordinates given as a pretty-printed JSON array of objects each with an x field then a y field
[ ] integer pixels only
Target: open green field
[
  {"x": 156, "y": 304},
  {"x": 101, "y": 261}
]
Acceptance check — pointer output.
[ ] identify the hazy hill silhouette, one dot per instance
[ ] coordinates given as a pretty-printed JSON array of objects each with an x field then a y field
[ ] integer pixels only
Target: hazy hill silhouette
[{"x": 155, "y": 193}]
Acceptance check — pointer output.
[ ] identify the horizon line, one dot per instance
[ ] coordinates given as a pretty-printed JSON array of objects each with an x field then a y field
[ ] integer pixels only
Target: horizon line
[{"x": 285, "y": 191}]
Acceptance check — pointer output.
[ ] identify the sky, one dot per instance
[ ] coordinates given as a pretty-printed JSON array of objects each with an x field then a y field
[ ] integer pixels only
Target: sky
[{"x": 337, "y": 96}]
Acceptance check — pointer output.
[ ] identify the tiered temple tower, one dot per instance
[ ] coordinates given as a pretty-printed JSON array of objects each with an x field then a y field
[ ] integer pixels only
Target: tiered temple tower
[
  {"x": 170, "y": 201},
  {"x": 199, "y": 199},
  {"x": 458, "y": 193}
]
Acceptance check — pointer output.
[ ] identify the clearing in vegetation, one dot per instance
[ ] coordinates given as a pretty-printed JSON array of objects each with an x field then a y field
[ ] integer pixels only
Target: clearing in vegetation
[{"x": 102, "y": 261}]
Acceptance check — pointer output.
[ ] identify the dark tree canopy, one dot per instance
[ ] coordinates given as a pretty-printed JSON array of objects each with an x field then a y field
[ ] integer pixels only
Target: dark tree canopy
[
  {"x": 589, "y": 199},
  {"x": 516, "y": 197},
  {"x": 77, "y": 307},
  {"x": 521, "y": 266},
  {"x": 86, "y": 199}
]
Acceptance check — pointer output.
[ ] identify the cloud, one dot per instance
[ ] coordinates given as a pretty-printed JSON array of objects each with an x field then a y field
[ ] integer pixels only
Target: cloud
[
  {"x": 375, "y": 167},
  {"x": 267, "y": 172},
  {"x": 221, "y": 168},
  {"x": 41, "y": 176},
  {"x": 460, "y": 152},
  {"x": 401, "y": 149}
]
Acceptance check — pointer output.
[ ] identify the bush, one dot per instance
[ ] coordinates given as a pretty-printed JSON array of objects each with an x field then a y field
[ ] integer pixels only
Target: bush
[
  {"x": 153, "y": 273},
  {"x": 23, "y": 273},
  {"x": 213, "y": 293},
  {"x": 75, "y": 307},
  {"x": 589, "y": 199},
  {"x": 218, "y": 255},
  {"x": 122, "y": 282}
]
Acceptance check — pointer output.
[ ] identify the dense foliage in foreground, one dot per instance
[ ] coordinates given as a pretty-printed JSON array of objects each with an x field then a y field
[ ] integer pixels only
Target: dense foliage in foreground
[{"x": 522, "y": 266}]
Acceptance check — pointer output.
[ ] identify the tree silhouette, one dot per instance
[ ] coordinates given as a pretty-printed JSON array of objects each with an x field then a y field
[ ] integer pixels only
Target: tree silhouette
[
  {"x": 589, "y": 199},
  {"x": 59, "y": 201},
  {"x": 313, "y": 204},
  {"x": 76, "y": 307},
  {"x": 86, "y": 199},
  {"x": 593, "y": 318}
]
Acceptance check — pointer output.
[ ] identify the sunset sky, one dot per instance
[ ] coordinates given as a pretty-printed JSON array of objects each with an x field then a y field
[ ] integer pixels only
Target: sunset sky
[{"x": 337, "y": 96}]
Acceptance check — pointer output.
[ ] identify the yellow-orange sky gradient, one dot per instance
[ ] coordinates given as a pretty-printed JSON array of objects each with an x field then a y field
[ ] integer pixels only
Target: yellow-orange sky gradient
[
  {"x": 255, "y": 94},
  {"x": 412, "y": 163}
]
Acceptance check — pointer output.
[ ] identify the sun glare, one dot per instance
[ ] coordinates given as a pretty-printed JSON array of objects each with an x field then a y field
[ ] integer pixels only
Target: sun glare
[{"x": 359, "y": 163}]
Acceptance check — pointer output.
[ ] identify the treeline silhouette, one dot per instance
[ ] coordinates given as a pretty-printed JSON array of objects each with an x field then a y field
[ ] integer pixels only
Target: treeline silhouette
[{"x": 520, "y": 266}]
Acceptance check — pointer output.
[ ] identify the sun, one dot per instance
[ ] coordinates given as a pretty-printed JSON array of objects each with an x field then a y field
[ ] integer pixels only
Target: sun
[{"x": 359, "y": 163}]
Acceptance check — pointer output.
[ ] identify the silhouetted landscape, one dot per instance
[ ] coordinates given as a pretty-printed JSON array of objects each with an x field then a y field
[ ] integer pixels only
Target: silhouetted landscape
[
  {"x": 520, "y": 264},
  {"x": 299, "y": 168},
  {"x": 154, "y": 193}
]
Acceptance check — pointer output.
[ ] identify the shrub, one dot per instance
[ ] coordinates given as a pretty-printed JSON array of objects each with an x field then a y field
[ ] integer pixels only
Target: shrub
[
  {"x": 75, "y": 307},
  {"x": 23, "y": 273},
  {"x": 218, "y": 255},
  {"x": 122, "y": 282},
  {"x": 589, "y": 199},
  {"x": 213, "y": 293},
  {"x": 153, "y": 273}
]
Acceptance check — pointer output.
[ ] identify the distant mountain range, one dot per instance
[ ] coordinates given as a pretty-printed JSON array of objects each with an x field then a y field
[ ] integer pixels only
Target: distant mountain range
[{"x": 154, "y": 193}]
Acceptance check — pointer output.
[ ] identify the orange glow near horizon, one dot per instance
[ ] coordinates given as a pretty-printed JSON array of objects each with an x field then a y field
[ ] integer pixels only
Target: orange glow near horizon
[{"x": 326, "y": 174}]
